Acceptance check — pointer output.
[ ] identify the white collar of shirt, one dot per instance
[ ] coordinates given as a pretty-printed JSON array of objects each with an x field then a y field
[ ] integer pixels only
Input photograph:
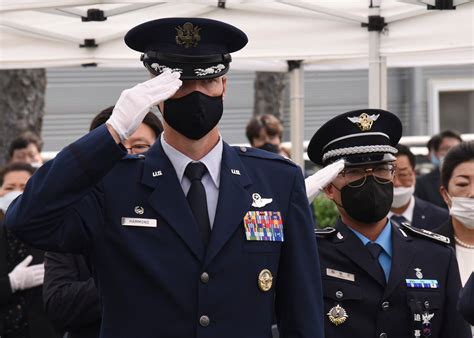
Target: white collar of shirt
[
  {"x": 212, "y": 160},
  {"x": 408, "y": 213}
]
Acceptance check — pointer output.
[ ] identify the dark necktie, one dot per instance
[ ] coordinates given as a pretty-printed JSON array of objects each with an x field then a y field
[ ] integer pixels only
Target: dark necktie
[
  {"x": 197, "y": 198},
  {"x": 398, "y": 219},
  {"x": 375, "y": 250}
]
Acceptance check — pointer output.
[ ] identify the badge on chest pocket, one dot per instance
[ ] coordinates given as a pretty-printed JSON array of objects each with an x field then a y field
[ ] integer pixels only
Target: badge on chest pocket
[{"x": 263, "y": 226}]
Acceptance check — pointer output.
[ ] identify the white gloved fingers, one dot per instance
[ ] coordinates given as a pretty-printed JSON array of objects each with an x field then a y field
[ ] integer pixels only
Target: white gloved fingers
[
  {"x": 330, "y": 172},
  {"x": 134, "y": 103},
  {"x": 319, "y": 180},
  {"x": 25, "y": 262}
]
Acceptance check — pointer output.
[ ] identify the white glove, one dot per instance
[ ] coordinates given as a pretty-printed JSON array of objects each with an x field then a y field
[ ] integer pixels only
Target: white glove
[
  {"x": 25, "y": 277},
  {"x": 134, "y": 103},
  {"x": 319, "y": 180}
]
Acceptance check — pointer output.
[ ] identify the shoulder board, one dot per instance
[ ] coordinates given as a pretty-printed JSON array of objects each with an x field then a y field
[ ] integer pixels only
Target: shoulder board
[
  {"x": 324, "y": 232},
  {"x": 253, "y": 152},
  {"x": 425, "y": 233}
]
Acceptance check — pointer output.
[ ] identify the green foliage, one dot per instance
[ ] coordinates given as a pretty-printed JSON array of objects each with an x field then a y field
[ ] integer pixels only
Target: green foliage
[{"x": 325, "y": 211}]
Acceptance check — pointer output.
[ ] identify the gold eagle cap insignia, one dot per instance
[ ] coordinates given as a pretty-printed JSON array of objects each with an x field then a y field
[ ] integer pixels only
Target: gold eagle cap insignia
[
  {"x": 364, "y": 121},
  {"x": 188, "y": 35}
]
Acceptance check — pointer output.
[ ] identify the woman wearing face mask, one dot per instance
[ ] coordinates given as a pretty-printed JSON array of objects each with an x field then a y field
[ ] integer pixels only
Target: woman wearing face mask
[{"x": 457, "y": 189}]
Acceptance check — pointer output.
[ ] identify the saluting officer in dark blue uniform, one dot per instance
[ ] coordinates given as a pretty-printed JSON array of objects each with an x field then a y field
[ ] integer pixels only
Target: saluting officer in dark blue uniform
[
  {"x": 380, "y": 279},
  {"x": 196, "y": 238}
]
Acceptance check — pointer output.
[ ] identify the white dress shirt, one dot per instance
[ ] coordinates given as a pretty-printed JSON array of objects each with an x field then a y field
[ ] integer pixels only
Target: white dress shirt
[
  {"x": 408, "y": 213},
  {"x": 210, "y": 180}
]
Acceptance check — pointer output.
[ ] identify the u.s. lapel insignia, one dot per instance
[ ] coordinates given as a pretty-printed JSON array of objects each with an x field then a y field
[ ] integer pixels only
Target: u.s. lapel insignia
[
  {"x": 265, "y": 280},
  {"x": 364, "y": 121},
  {"x": 259, "y": 202},
  {"x": 187, "y": 35},
  {"x": 139, "y": 210},
  {"x": 337, "y": 315},
  {"x": 157, "y": 173},
  {"x": 235, "y": 172},
  {"x": 419, "y": 274}
]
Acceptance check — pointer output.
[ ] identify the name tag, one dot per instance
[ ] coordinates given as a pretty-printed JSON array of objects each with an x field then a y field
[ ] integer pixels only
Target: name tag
[
  {"x": 263, "y": 226},
  {"x": 139, "y": 222},
  {"x": 340, "y": 274},
  {"x": 422, "y": 283}
]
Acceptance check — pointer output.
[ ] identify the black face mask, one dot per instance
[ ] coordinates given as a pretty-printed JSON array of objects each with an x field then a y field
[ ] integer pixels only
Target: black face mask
[
  {"x": 193, "y": 115},
  {"x": 269, "y": 147},
  {"x": 369, "y": 203}
]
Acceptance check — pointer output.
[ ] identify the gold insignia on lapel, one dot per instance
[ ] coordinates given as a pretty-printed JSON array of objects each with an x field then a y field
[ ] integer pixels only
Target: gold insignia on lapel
[
  {"x": 337, "y": 315},
  {"x": 265, "y": 280},
  {"x": 188, "y": 35},
  {"x": 364, "y": 121}
]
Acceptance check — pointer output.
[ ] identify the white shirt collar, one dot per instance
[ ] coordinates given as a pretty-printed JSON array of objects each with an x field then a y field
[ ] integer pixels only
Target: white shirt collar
[
  {"x": 212, "y": 160},
  {"x": 408, "y": 213}
]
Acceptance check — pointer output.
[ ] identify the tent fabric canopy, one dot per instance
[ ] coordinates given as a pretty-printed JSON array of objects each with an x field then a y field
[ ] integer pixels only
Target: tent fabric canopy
[{"x": 326, "y": 34}]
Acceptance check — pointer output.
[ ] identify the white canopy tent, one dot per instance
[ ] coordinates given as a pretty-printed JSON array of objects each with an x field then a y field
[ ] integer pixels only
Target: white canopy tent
[{"x": 323, "y": 34}]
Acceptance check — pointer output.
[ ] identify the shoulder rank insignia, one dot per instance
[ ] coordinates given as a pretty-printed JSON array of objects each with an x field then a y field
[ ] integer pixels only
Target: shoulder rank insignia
[
  {"x": 324, "y": 232},
  {"x": 425, "y": 233}
]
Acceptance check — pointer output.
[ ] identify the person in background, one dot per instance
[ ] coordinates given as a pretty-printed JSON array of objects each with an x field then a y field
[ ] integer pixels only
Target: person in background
[
  {"x": 70, "y": 296},
  {"x": 26, "y": 149},
  {"x": 405, "y": 206},
  {"x": 427, "y": 186},
  {"x": 21, "y": 270},
  {"x": 376, "y": 272},
  {"x": 432, "y": 152},
  {"x": 265, "y": 132},
  {"x": 457, "y": 189}
]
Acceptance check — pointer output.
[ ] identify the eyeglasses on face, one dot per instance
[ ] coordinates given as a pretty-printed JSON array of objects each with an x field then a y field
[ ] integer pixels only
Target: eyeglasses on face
[
  {"x": 356, "y": 176},
  {"x": 138, "y": 148}
]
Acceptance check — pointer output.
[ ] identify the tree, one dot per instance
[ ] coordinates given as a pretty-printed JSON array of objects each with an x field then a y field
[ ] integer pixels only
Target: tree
[
  {"x": 269, "y": 87},
  {"x": 21, "y": 105}
]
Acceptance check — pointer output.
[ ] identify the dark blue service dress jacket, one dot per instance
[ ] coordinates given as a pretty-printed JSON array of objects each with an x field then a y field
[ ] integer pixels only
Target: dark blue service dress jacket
[
  {"x": 158, "y": 280},
  {"x": 418, "y": 300}
]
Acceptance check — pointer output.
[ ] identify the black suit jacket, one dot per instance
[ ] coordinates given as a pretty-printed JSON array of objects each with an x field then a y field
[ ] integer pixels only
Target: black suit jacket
[
  {"x": 70, "y": 296},
  {"x": 466, "y": 300},
  {"x": 39, "y": 324},
  {"x": 427, "y": 188},
  {"x": 427, "y": 215}
]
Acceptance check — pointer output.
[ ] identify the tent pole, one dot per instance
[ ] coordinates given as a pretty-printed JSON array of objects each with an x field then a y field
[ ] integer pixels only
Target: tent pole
[
  {"x": 377, "y": 64},
  {"x": 297, "y": 111}
]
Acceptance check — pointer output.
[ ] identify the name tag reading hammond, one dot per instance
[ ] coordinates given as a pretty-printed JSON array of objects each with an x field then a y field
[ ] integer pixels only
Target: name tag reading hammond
[{"x": 139, "y": 222}]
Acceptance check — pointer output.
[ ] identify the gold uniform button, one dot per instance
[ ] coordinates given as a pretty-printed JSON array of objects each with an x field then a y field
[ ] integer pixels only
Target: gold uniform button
[
  {"x": 265, "y": 280},
  {"x": 204, "y": 321},
  {"x": 204, "y": 277}
]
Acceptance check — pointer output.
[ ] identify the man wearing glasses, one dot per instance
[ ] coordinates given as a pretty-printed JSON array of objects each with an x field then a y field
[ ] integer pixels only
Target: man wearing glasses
[{"x": 380, "y": 278}]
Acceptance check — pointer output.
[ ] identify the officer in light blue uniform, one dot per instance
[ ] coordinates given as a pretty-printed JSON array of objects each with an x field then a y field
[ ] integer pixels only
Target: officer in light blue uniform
[
  {"x": 195, "y": 238},
  {"x": 380, "y": 278}
]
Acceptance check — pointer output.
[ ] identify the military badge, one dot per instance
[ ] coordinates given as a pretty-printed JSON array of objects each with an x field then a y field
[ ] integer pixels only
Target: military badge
[
  {"x": 263, "y": 226},
  {"x": 426, "y": 324},
  {"x": 265, "y": 280},
  {"x": 139, "y": 210},
  {"x": 419, "y": 274},
  {"x": 188, "y": 35},
  {"x": 259, "y": 202},
  {"x": 364, "y": 121},
  {"x": 337, "y": 315}
]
